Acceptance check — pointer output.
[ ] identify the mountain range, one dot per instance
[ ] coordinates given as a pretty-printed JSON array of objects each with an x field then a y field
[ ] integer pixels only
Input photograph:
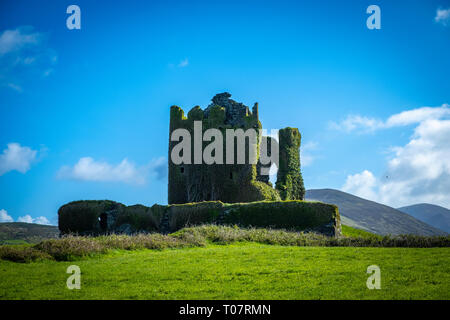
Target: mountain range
[
  {"x": 436, "y": 216},
  {"x": 21, "y": 232},
  {"x": 372, "y": 216}
]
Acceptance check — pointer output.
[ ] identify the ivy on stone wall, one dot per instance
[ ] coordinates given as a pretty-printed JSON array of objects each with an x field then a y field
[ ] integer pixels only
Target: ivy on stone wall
[
  {"x": 82, "y": 217},
  {"x": 289, "y": 178}
]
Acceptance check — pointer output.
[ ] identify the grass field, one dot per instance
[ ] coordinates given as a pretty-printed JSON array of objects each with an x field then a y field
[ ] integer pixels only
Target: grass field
[{"x": 242, "y": 270}]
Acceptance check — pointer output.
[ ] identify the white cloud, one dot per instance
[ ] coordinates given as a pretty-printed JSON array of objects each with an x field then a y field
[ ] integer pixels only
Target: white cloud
[
  {"x": 414, "y": 116},
  {"x": 14, "y": 40},
  {"x": 420, "y": 170},
  {"x": 47, "y": 72},
  {"x": 160, "y": 167},
  {"x": 4, "y": 217},
  {"x": 183, "y": 63},
  {"x": 417, "y": 115},
  {"x": 24, "y": 54},
  {"x": 354, "y": 122},
  {"x": 29, "y": 219},
  {"x": 442, "y": 16},
  {"x": 16, "y": 157},
  {"x": 361, "y": 184},
  {"x": 88, "y": 169},
  {"x": 306, "y": 157},
  {"x": 42, "y": 220},
  {"x": 15, "y": 87},
  {"x": 416, "y": 172}
]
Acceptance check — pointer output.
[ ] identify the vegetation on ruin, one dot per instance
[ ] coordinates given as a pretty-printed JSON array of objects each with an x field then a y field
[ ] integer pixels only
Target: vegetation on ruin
[{"x": 82, "y": 217}]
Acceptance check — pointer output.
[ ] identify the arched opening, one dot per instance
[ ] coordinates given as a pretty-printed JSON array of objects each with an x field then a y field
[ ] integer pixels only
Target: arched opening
[
  {"x": 182, "y": 169},
  {"x": 103, "y": 220}
]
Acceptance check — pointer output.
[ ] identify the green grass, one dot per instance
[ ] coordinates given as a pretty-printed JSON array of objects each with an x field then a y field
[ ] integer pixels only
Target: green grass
[
  {"x": 353, "y": 232},
  {"x": 217, "y": 262},
  {"x": 13, "y": 242},
  {"x": 237, "y": 271}
]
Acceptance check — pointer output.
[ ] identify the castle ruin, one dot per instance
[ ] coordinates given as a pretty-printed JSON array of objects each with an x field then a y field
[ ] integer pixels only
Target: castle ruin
[
  {"x": 231, "y": 183},
  {"x": 216, "y": 193}
]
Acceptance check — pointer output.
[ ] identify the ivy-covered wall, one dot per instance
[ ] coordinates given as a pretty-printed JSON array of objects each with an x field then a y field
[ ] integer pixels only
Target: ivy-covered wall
[{"x": 84, "y": 217}]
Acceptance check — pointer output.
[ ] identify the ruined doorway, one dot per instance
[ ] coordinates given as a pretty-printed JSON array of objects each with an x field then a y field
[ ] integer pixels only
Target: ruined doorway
[{"x": 103, "y": 220}]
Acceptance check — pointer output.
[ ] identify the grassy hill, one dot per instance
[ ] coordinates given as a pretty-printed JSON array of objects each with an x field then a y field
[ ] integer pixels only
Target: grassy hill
[
  {"x": 372, "y": 216},
  {"x": 436, "y": 216},
  {"x": 21, "y": 232}
]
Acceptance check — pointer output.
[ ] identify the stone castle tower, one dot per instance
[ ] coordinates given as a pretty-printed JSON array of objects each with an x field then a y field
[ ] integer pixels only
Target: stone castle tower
[{"x": 232, "y": 183}]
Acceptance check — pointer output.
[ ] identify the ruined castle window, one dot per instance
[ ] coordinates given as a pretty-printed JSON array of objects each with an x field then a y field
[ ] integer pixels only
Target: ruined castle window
[
  {"x": 103, "y": 219},
  {"x": 182, "y": 169},
  {"x": 231, "y": 174}
]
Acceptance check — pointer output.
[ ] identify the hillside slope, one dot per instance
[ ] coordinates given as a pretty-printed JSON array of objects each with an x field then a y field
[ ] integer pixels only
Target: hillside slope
[
  {"x": 371, "y": 216},
  {"x": 27, "y": 232},
  {"x": 436, "y": 216}
]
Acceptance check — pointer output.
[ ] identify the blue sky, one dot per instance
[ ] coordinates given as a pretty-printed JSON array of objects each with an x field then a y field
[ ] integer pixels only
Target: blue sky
[{"x": 84, "y": 113}]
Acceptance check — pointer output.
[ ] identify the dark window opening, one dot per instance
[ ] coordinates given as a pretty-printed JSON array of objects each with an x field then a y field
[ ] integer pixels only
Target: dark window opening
[
  {"x": 231, "y": 174},
  {"x": 103, "y": 221},
  {"x": 182, "y": 169}
]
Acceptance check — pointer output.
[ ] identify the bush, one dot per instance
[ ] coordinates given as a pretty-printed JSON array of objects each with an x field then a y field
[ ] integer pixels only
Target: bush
[
  {"x": 22, "y": 254},
  {"x": 226, "y": 235},
  {"x": 154, "y": 241},
  {"x": 70, "y": 247}
]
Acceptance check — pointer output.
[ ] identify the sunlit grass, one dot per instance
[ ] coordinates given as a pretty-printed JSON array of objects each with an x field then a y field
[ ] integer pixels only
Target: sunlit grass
[{"x": 237, "y": 271}]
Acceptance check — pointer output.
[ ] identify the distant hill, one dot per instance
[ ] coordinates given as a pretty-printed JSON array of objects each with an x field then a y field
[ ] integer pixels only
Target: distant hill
[
  {"x": 436, "y": 216},
  {"x": 371, "y": 216},
  {"x": 21, "y": 232}
]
